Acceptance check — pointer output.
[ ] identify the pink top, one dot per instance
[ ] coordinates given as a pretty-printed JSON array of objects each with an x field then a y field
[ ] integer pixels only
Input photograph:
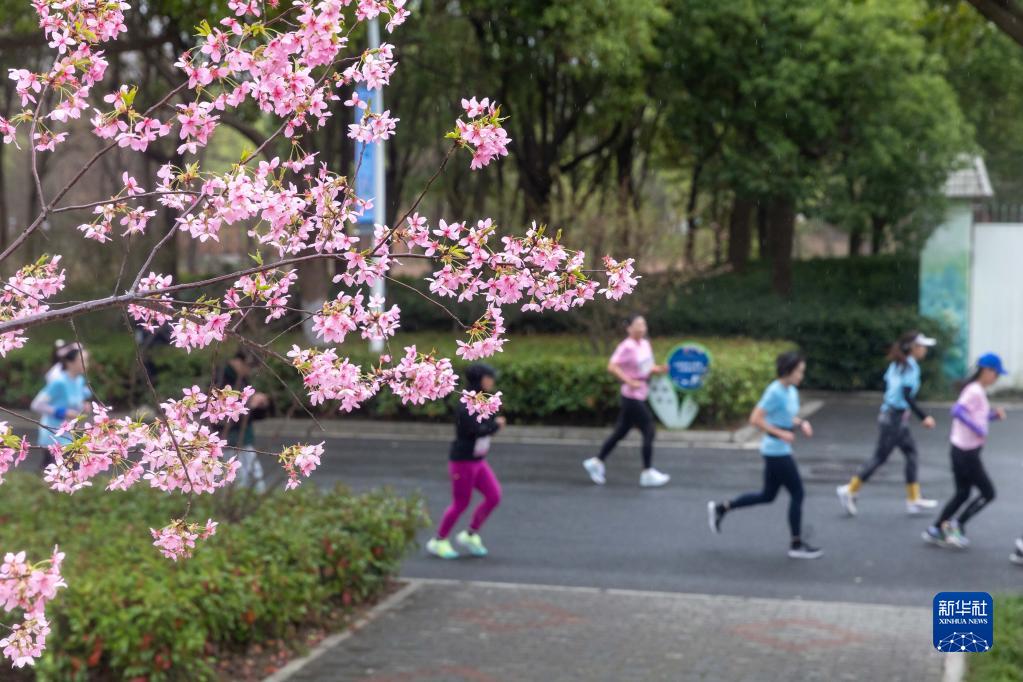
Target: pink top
[
  {"x": 972, "y": 401},
  {"x": 636, "y": 360}
]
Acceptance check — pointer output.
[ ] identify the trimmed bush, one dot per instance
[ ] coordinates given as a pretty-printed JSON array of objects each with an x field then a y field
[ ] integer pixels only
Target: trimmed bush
[
  {"x": 130, "y": 613},
  {"x": 1004, "y": 663},
  {"x": 546, "y": 379}
]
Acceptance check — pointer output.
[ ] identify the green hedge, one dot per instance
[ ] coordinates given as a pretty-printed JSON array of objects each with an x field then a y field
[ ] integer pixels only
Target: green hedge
[
  {"x": 844, "y": 312},
  {"x": 544, "y": 378},
  {"x": 1004, "y": 663},
  {"x": 130, "y": 613}
]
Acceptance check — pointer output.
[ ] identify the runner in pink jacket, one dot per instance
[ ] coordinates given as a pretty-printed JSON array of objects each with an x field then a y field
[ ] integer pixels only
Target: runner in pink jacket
[
  {"x": 971, "y": 416},
  {"x": 633, "y": 364}
]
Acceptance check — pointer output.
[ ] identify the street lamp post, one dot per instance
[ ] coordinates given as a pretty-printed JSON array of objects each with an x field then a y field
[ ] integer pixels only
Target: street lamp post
[{"x": 376, "y": 167}]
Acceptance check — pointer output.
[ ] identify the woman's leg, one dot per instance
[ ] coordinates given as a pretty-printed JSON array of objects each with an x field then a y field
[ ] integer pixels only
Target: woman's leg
[
  {"x": 486, "y": 482},
  {"x": 793, "y": 482},
  {"x": 772, "y": 482},
  {"x": 907, "y": 444},
  {"x": 963, "y": 483},
  {"x": 621, "y": 429},
  {"x": 886, "y": 439},
  {"x": 986, "y": 491},
  {"x": 461, "y": 475},
  {"x": 645, "y": 421}
]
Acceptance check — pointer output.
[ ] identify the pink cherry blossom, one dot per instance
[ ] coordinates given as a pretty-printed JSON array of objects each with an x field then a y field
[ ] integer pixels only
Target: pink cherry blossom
[{"x": 294, "y": 68}]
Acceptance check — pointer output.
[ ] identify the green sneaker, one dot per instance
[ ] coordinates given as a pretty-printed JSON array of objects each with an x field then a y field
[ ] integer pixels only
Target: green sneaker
[
  {"x": 472, "y": 542},
  {"x": 441, "y": 548}
]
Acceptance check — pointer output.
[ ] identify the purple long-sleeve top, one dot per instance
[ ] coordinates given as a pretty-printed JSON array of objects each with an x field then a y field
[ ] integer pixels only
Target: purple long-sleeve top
[{"x": 971, "y": 415}]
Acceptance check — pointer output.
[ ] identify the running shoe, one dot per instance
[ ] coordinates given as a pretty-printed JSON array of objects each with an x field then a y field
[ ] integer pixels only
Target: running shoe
[
  {"x": 1016, "y": 557},
  {"x": 715, "y": 512},
  {"x": 652, "y": 478},
  {"x": 595, "y": 468},
  {"x": 441, "y": 548},
  {"x": 934, "y": 536},
  {"x": 472, "y": 542},
  {"x": 914, "y": 507},
  {"x": 801, "y": 550},
  {"x": 956, "y": 536},
  {"x": 846, "y": 499}
]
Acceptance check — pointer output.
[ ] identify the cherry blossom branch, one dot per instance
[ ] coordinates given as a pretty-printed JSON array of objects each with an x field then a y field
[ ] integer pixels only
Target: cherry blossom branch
[
  {"x": 74, "y": 181},
  {"x": 431, "y": 300},
  {"x": 114, "y": 200},
  {"x": 160, "y": 417}
]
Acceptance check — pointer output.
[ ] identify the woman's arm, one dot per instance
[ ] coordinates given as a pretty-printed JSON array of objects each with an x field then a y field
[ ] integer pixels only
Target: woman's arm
[
  {"x": 960, "y": 412},
  {"x": 41, "y": 404},
  {"x": 618, "y": 372},
  {"x": 469, "y": 427},
  {"x": 926, "y": 419},
  {"x": 759, "y": 420}
]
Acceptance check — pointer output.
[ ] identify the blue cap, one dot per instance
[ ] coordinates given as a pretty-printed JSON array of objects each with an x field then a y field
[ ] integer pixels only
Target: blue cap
[{"x": 992, "y": 361}]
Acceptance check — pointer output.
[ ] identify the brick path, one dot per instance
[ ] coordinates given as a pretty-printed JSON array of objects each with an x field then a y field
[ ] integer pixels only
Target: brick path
[{"x": 482, "y": 632}]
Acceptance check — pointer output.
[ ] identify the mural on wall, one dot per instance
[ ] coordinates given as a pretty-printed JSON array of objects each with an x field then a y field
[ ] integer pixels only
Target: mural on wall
[{"x": 945, "y": 284}]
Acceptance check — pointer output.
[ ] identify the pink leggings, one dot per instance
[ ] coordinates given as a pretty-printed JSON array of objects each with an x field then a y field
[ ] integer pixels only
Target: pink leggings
[{"x": 466, "y": 475}]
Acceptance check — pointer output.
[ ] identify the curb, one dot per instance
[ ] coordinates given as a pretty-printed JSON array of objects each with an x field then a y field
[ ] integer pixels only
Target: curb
[
  {"x": 329, "y": 643},
  {"x": 955, "y": 668},
  {"x": 744, "y": 438}
]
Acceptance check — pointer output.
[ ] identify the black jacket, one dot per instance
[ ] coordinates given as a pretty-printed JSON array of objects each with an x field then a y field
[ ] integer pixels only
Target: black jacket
[{"x": 467, "y": 432}]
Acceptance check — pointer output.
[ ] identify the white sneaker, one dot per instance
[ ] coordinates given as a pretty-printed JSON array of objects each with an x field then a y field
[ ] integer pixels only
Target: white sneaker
[
  {"x": 595, "y": 468},
  {"x": 912, "y": 508},
  {"x": 805, "y": 551},
  {"x": 846, "y": 499},
  {"x": 924, "y": 503},
  {"x": 652, "y": 478}
]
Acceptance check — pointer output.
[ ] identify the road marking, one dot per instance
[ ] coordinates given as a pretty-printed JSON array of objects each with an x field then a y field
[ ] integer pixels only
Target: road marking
[{"x": 661, "y": 594}]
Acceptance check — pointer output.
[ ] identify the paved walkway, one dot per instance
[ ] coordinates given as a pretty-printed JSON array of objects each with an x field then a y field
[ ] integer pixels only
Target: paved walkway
[{"x": 487, "y": 632}]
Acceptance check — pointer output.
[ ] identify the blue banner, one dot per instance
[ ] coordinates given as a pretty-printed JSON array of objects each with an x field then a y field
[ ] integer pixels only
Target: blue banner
[{"x": 365, "y": 164}]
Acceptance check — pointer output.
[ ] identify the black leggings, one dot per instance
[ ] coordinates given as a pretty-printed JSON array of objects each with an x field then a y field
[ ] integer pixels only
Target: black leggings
[
  {"x": 634, "y": 413},
  {"x": 779, "y": 472},
  {"x": 969, "y": 472},
  {"x": 894, "y": 433}
]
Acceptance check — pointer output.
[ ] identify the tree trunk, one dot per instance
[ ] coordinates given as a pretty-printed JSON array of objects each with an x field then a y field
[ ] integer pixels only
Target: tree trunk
[
  {"x": 856, "y": 241},
  {"x": 739, "y": 234},
  {"x": 313, "y": 286},
  {"x": 761, "y": 229},
  {"x": 781, "y": 217},
  {"x": 877, "y": 226},
  {"x": 694, "y": 194}
]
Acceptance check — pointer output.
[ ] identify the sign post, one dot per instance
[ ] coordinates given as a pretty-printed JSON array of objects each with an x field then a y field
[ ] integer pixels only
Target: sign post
[
  {"x": 369, "y": 176},
  {"x": 688, "y": 366}
]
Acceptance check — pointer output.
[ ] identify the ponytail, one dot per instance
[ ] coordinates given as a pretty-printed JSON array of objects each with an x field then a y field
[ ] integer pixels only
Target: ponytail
[
  {"x": 960, "y": 385},
  {"x": 900, "y": 351}
]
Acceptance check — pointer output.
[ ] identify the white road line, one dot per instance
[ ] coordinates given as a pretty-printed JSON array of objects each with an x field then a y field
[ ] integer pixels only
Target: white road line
[{"x": 660, "y": 594}]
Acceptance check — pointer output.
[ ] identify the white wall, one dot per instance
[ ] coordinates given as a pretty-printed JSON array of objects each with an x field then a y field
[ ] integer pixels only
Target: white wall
[{"x": 996, "y": 297}]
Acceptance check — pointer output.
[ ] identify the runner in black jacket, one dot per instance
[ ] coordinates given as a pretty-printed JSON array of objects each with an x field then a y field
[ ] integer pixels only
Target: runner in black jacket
[{"x": 469, "y": 470}]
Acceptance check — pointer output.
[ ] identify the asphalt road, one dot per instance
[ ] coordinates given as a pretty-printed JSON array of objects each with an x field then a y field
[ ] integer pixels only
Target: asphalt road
[{"x": 555, "y": 527}]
